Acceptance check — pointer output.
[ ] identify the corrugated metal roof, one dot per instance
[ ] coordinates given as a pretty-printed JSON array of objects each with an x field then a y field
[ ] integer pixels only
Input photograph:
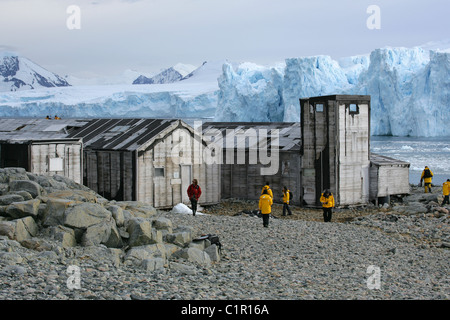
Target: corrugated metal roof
[
  {"x": 289, "y": 133},
  {"x": 120, "y": 134},
  {"x": 21, "y": 130}
]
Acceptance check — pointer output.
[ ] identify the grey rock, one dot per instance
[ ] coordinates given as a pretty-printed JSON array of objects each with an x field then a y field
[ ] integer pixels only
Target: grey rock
[
  {"x": 29, "y": 186},
  {"x": 24, "y": 209},
  {"x": 10, "y": 198},
  {"x": 84, "y": 215}
]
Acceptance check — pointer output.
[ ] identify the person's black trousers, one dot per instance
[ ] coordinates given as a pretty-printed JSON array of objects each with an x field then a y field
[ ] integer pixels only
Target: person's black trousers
[
  {"x": 327, "y": 212},
  {"x": 286, "y": 207},
  {"x": 194, "y": 206},
  {"x": 445, "y": 200},
  {"x": 265, "y": 218}
]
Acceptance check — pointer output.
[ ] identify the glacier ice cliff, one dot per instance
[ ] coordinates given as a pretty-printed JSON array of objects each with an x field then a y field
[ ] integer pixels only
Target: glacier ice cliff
[{"x": 409, "y": 89}]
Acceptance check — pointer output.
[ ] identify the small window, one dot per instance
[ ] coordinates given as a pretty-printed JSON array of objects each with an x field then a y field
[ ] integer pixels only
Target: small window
[
  {"x": 353, "y": 108},
  {"x": 159, "y": 172},
  {"x": 319, "y": 107}
]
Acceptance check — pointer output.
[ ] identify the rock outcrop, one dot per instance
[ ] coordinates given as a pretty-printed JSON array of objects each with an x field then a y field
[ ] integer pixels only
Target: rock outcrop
[{"x": 55, "y": 214}]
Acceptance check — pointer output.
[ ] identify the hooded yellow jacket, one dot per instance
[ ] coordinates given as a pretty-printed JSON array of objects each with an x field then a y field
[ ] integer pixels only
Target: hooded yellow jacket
[
  {"x": 269, "y": 191},
  {"x": 446, "y": 188},
  {"x": 286, "y": 197},
  {"x": 265, "y": 204},
  {"x": 427, "y": 180},
  {"x": 327, "y": 202}
]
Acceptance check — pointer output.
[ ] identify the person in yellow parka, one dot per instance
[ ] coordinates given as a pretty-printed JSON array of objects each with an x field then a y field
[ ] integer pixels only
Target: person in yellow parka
[
  {"x": 265, "y": 205},
  {"x": 286, "y": 198},
  {"x": 269, "y": 191},
  {"x": 327, "y": 201},
  {"x": 426, "y": 177},
  {"x": 446, "y": 192}
]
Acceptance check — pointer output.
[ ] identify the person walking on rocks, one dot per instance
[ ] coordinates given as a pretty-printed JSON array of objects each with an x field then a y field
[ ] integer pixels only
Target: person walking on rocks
[
  {"x": 327, "y": 201},
  {"x": 269, "y": 191},
  {"x": 286, "y": 198},
  {"x": 427, "y": 176},
  {"x": 446, "y": 192},
  {"x": 265, "y": 205},
  {"x": 194, "y": 192}
]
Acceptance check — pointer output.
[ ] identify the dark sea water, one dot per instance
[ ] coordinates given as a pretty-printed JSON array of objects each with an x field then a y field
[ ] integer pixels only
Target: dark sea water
[{"x": 419, "y": 152}]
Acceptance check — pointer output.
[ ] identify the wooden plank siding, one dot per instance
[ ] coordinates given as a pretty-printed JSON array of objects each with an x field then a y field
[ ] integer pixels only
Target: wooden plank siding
[{"x": 335, "y": 148}]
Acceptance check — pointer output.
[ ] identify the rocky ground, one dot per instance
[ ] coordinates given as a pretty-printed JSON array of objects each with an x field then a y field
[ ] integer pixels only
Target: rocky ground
[{"x": 400, "y": 251}]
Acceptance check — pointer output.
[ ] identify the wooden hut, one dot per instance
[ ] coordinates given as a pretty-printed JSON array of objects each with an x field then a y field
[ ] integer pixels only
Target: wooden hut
[
  {"x": 147, "y": 160},
  {"x": 254, "y": 153},
  {"x": 388, "y": 177},
  {"x": 335, "y": 148},
  {"x": 41, "y": 146}
]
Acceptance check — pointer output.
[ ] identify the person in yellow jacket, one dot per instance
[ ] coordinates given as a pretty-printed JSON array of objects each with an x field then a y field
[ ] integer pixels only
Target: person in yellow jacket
[
  {"x": 286, "y": 199},
  {"x": 327, "y": 201},
  {"x": 426, "y": 177},
  {"x": 446, "y": 192},
  {"x": 269, "y": 191},
  {"x": 265, "y": 205}
]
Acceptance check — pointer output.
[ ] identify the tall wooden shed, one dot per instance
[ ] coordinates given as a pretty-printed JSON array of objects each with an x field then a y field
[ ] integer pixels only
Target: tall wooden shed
[
  {"x": 147, "y": 160},
  {"x": 335, "y": 148},
  {"x": 41, "y": 146},
  {"x": 244, "y": 157}
]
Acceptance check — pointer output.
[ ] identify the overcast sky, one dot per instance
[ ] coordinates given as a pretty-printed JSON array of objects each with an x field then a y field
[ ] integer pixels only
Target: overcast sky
[{"x": 148, "y": 35}]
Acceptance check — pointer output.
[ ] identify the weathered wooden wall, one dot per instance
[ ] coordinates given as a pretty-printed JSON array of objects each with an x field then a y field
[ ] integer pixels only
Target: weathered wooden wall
[
  {"x": 335, "y": 149},
  {"x": 353, "y": 155},
  {"x": 387, "y": 180},
  {"x": 179, "y": 155},
  {"x": 244, "y": 181},
  {"x": 110, "y": 173},
  {"x": 70, "y": 153}
]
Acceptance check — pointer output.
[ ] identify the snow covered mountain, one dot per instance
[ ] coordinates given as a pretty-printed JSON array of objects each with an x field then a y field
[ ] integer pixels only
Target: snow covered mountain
[
  {"x": 409, "y": 89},
  {"x": 19, "y": 73},
  {"x": 170, "y": 75}
]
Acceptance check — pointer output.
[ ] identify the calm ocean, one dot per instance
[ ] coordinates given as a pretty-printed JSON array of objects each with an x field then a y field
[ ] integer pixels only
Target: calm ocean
[{"x": 419, "y": 152}]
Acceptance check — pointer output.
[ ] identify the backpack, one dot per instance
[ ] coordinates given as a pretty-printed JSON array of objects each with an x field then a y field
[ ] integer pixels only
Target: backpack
[
  {"x": 291, "y": 196},
  {"x": 427, "y": 173}
]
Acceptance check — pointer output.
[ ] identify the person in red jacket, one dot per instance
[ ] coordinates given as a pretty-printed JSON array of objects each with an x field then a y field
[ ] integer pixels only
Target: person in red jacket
[{"x": 194, "y": 192}]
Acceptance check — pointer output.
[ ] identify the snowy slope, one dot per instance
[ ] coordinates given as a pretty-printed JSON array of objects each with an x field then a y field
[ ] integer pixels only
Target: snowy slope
[
  {"x": 194, "y": 97},
  {"x": 19, "y": 73}
]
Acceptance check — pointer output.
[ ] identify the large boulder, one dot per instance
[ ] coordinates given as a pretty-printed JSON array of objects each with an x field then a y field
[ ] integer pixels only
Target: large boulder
[
  {"x": 142, "y": 233},
  {"x": 54, "y": 211},
  {"x": 24, "y": 209},
  {"x": 7, "y": 199},
  {"x": 19, "y": 229},
  {"x": 135, "y": 256},
  {"x": 105, "y": 233},
  {"x": 31, "y": 187},
  {"x": 182, "y": 236},
  {"x": 75, "y": 195},
  {"x": 83, "y": 215},
  {"x": 65, "y": 235}
]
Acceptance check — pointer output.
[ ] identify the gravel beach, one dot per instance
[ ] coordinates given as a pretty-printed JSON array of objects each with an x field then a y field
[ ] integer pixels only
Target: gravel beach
[{"x": 365, "y": 253}]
